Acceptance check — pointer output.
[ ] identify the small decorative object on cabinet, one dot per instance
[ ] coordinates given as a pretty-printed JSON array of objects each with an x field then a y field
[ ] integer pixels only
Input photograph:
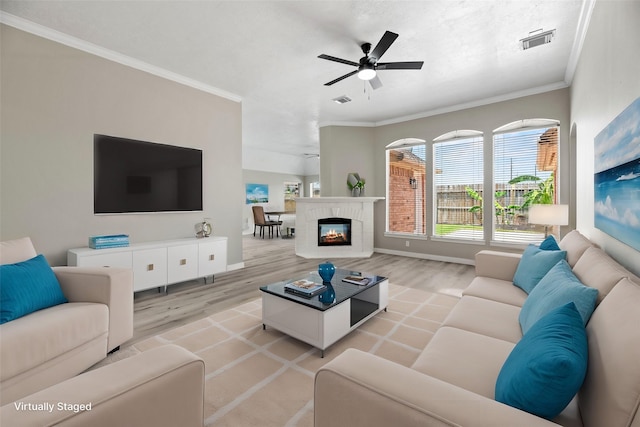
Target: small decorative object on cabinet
[
  {"x": 326, "y": 271},
  {"x": 204, "y": 228}
]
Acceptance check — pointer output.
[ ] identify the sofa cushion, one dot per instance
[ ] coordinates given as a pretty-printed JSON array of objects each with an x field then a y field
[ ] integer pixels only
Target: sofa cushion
[
  {"x": 26, "y": 287},
  {"x": 575, "y": 244},
  {"x": 547, "y": 367},
  {"x": 496, "y": 290},
  {"x": 597, "y": 269},
  {"x": 486, "y": 317},
  {"x": 610, "y": 395},
  {"x": 32, "y": 340},
  {"x": 465, "y": 359},
  {"x": 535, "y": 263},
  {"x": 549, "y": 244},
  {"x": 557, "y": 288},
  {"x": 12, "y": 251}
]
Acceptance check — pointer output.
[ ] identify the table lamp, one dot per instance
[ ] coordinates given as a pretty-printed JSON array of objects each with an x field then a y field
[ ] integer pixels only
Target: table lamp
[{"x": 549, "y": 215}]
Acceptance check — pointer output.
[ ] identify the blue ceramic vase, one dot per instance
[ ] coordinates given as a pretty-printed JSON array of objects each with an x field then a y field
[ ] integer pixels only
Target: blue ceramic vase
[
  {"x": 326, "y": 271},
  {"x": 328, "y": 296}
]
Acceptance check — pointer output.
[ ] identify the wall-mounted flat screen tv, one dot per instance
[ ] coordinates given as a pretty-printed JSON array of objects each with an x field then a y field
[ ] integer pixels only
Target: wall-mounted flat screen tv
[{"x": 137, "y": 176}]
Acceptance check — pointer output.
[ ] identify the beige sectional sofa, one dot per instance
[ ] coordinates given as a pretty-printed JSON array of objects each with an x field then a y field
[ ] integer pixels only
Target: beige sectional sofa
[
  {"x": 42, "y": 353},
  {"x": 453, "y": 381}
]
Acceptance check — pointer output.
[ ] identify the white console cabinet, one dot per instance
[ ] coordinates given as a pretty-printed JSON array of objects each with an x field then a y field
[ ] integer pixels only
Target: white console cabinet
[{"x": 158, "y": 264}]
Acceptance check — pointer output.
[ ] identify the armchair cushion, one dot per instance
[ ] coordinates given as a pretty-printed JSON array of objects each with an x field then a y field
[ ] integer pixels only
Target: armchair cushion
[
  {"x": 26, "y": 287},
  {"x": 547, "y": 367},
  {"x": 12, "y": 251}
]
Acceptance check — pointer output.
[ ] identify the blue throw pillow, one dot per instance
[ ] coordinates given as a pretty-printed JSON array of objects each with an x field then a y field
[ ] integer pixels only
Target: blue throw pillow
[
  {"x": 26, "y": 287},
  {"x": 557, "y": 288},
  {"x": 549, "y": 244},
  {"x": 547, "y": 367},
  {"x": 533, "y": 265}
]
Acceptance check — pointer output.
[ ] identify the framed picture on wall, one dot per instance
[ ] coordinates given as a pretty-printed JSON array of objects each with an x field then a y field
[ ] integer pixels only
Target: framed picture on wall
[
  {"x": 617, "y": 177},
  {"x": 257, "y": 193}
]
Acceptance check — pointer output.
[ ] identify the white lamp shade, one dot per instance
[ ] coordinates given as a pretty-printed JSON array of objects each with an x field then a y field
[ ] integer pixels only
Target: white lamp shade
[{"x": 549, "y": 214}]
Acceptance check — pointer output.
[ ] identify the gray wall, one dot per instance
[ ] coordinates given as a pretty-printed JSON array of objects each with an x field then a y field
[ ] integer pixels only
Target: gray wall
[
  {"x": 337, "y": 140},
  {"x": 54, "y": 98},
  {"x": 607, "y": 80},
  {"x": 346, "y": 149}
]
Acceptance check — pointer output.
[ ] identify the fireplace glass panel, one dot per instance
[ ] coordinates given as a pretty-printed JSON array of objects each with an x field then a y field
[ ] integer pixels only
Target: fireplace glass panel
[{"x": 334, "y": 232}]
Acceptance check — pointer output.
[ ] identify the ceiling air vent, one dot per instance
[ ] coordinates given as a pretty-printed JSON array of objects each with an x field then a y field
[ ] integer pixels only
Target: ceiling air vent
[
  {"x": 342, "y": 99},
  {"x": 537, "y": 38}
]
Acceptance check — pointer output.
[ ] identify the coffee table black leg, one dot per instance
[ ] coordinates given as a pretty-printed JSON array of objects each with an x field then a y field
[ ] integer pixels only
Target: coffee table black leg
[{"x": 264, "y": 327}]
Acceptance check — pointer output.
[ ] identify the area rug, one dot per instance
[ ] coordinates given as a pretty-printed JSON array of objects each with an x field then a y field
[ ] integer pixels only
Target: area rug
[{"x": 263, "y": 377}]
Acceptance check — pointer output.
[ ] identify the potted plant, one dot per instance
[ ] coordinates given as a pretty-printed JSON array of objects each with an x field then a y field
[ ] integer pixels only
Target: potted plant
[{"x": 355, "y": 184}]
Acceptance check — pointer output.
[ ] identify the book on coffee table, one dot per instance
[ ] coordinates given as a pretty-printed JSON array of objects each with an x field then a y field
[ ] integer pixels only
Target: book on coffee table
[
  {"x": 304, "y": 288},
  {"x": 357, "y": 280}
]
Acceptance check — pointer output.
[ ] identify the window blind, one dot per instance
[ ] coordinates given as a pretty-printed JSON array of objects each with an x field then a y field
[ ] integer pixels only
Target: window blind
[
  {"x": 458, "y": 188},
  {"x": 525, "y": 165}
]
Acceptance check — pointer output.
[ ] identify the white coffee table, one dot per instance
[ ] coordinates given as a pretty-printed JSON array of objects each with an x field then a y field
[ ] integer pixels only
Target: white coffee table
[{"x": 322, "y": 324}]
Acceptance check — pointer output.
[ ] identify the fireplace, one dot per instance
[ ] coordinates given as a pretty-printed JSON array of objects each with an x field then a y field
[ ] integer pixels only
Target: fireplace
[{"x": 334, "y": 232}]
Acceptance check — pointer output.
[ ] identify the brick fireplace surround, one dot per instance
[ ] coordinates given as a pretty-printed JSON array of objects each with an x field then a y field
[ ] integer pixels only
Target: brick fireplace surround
[{"x": 358, "y": 209}]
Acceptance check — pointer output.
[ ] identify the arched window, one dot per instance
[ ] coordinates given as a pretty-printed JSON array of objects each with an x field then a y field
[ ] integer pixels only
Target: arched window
[
  {"x": 525, "y": 172},
  {"x": 458, "y": 185},
  {"x": 406, "y": 160}
]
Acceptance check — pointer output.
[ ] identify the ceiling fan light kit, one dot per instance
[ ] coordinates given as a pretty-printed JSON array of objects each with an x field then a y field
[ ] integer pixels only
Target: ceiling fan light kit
[
  {"x": 366, "y": 72},
  {"x": 368, "y": 65}
]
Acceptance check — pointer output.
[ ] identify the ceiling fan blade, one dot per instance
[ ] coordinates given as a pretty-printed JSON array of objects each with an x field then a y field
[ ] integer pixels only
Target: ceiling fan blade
[
  {"x": 341, "y": 78},
  {"x": 340, "y": 60},
  {"x": 375, "y": 83},
  {"x": 387, "y": 39},
  {"x": 415, "y": 65}
]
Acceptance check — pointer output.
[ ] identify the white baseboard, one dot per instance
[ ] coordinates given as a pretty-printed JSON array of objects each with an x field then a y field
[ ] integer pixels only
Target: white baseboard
[
  {"x": 426, "y": 256},
  {"x": 238, "y": 266}
]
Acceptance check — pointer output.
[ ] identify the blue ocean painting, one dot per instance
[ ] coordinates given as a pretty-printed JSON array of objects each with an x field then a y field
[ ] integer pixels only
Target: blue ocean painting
[
  {"x": 617, "y": 177},
  {"x": 257, "y": 193}
]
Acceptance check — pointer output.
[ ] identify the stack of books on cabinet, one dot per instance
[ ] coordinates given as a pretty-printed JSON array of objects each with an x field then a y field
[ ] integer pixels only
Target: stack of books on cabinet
[{"x": 109, "y": 241}]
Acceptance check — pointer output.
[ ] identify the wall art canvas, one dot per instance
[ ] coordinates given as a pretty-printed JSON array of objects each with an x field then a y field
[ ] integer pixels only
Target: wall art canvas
[
  {"x": 617, "y": 177},
  {"x": 257, "y": 193}
]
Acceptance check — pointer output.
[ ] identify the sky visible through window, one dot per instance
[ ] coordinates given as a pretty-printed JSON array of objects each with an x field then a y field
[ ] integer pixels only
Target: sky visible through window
[
  {"x": 511, "y": 159},
  {"x": 515, "y": 154}
]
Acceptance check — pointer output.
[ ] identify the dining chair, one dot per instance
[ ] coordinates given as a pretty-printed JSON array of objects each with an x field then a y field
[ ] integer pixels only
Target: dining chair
[{"x": 259, "y": 220}]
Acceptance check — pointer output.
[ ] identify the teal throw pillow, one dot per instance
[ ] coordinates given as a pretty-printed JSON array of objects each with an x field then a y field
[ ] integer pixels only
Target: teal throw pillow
[
  {"x": 533, "y": 265},
  {"x": 549, "y": 244},
  {"x": 26, "y": 287},
  {"x": 547, "y": 367},
  {"x": 557, "y": 288}
]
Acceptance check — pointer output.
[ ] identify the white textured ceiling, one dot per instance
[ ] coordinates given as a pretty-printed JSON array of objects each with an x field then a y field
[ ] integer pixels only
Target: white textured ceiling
[{"x": 265, "y": 52}]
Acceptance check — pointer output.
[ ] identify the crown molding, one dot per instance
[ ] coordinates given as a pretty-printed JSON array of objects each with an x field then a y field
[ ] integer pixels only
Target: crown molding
[
  {"x": 578, "y": 41},
  {"x": 453, "y": 108},
  {"x": 85, "y": 46},
  {"x": 477, "y": 103}
]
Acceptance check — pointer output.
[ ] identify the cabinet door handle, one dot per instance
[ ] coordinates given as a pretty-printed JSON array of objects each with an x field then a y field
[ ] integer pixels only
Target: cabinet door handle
[
  {"x": 183, "y": 261},
  {"x": 212, "y": 257},
  {"x": 150, "y": 267}
]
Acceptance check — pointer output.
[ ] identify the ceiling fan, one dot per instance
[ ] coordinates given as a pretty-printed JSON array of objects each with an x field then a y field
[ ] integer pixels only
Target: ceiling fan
[{"x": 368, "y": 65}]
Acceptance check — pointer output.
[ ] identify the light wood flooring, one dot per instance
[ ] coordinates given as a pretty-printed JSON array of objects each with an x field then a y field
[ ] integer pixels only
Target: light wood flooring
[{"x": 272, "y": 260}]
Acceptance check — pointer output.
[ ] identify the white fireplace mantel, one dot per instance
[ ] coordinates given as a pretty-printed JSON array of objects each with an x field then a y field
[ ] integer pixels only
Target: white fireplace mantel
[{"x": 358, "y": 209}]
